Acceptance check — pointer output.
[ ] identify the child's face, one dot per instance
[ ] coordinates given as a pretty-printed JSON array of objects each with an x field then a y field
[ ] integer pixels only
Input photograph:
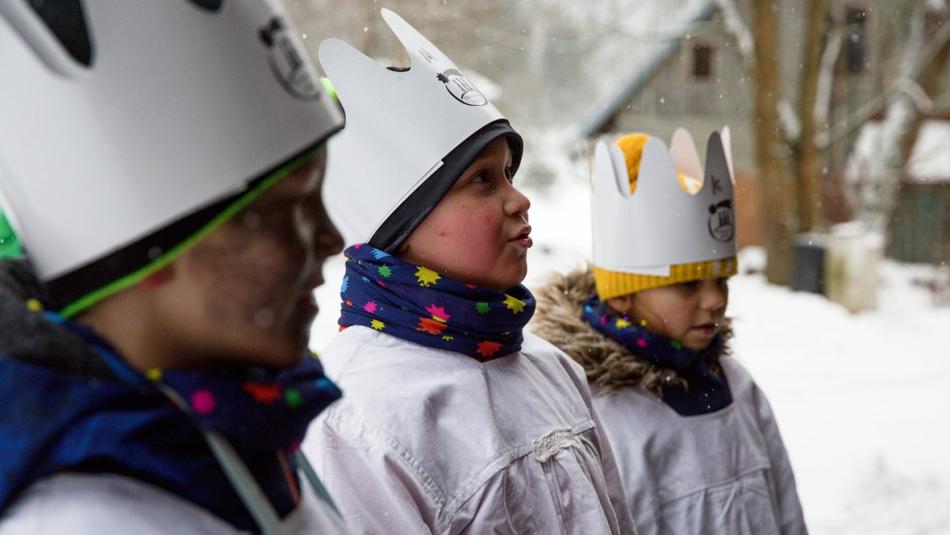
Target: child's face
[
  {"x": 245, "y": 292},
  {"x": 690, "y": 312},
  {"x": 478, "y": 233}
]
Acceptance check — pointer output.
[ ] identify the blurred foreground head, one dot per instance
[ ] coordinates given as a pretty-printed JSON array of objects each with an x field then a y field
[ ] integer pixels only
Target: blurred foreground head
[{"x": 167, "y": 158}]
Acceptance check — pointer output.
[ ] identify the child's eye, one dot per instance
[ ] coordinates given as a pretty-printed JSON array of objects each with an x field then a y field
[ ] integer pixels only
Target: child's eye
[
  {"x": 509, "y": 175},
  {"x": 690, "y": 285},
  {"x": 481, "y": 178}
]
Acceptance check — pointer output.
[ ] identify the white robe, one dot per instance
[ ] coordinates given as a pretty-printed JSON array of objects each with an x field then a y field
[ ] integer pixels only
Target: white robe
[
  {"x": 431, "y": 441},
  {"x": 107, "y": 504},
  {"x": 723, "y": 473}
]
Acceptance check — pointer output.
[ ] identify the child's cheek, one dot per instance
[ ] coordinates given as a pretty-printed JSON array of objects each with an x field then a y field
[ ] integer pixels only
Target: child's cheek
[
  {"x": 476, "y": 237},
  {"x": 674, "y": 320}
]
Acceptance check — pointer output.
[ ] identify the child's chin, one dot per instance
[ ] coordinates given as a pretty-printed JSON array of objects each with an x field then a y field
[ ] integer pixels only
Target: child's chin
[{"x": 698, "y": 345}]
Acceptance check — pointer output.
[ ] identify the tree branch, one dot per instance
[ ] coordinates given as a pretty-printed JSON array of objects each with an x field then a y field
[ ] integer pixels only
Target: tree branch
[{"x": 914, "y": 70}]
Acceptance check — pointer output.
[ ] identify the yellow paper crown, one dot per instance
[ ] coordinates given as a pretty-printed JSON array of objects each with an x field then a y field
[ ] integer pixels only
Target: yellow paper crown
[{"x": 617, "y": 283}]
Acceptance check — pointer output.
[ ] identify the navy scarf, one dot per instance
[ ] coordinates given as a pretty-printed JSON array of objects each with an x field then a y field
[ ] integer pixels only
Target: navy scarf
[
  {"x": 417, "y": 304},
  {"x": 707, "y": 389},
  {"x": 55, "y": 421}
]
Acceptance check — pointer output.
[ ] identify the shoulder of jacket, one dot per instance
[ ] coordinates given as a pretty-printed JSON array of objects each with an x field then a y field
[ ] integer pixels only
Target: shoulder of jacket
[
  {"x": 538, "y": 348},
  {"x": 737, "y": 373},
  {"x": 103, "y": 504}
]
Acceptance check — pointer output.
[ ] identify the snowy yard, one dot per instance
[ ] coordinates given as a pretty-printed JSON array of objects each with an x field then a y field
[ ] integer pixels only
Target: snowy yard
[{"x": 863, "y": 401}]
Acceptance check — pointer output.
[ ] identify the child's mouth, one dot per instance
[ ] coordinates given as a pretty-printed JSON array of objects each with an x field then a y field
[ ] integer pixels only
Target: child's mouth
[
  {"x": 523, "y": 238},
  {"x": 707, "y": 329}
]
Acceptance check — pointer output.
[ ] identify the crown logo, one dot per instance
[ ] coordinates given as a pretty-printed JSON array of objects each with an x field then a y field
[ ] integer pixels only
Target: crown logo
[{"x": 679, "y": 212}]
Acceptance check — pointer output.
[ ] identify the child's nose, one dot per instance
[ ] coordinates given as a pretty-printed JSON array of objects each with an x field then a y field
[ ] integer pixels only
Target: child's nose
[
  {"x": 713, "y": 296},
  {"x": 327, "y": 239},
  {"x": 516, "y": 203}
]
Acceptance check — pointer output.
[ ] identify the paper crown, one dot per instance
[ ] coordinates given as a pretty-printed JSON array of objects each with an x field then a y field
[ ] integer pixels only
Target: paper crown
[
  {"x": 161, "y": 110},
  {"x": 400, "y": 124},
  {"x": 660, "y": 224}
]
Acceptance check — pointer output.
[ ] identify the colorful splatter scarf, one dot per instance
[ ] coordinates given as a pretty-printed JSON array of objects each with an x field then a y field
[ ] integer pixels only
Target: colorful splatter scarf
[
  {"x": 417, "y": 304},
  {"x": 706, "y": 390}
]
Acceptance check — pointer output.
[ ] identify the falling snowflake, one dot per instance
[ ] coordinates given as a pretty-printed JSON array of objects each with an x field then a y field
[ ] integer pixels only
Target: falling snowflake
[{"x": 427, "y": 277}]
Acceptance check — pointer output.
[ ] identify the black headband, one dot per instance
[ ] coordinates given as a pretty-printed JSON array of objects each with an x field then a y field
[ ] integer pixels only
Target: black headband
[{"x": 404, "y": 219}]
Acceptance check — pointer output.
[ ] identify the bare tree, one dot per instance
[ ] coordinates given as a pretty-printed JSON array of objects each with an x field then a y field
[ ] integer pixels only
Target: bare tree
[
  {"x": 808, "y": 157},
  {"x": 771, "y": 148},
  {"x": 923, "y": 60},
  {"x": 794, "y": 144}
]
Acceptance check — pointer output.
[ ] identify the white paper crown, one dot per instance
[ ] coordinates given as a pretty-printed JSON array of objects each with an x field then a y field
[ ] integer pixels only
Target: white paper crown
[
  {"x": 660, "y": 224},
  {"x": 180, "y": 106},
  {"x": 399, "y": 126}
]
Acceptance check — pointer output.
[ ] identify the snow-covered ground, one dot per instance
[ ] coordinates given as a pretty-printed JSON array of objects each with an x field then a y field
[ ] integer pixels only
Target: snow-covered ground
[{"x": 863, "y": 400}]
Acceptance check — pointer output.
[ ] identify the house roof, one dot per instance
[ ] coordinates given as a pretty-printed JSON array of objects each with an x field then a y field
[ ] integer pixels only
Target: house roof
[
  {"x": 651, "y": 57},
  {"x": 929, "y": 160}
]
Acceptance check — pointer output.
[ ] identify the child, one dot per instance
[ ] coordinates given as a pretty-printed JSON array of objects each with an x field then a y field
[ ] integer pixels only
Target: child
[
  {"x": 456, "y": 420},
  {"x": 162, "y": 165},
  {"x": 697, "y": 444}
]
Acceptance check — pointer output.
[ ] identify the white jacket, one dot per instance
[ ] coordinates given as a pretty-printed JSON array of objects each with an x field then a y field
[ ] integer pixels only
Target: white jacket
[
  {"x": 431, "y": 441},
  {"x": 105, "y": 504},
  {"x": 723, "y": 473}
]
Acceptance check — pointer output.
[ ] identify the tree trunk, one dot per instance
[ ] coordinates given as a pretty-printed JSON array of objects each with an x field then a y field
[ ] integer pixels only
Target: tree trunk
[
  {"x": 808, "y": 156},
  {"x": 771, "y": 150}
]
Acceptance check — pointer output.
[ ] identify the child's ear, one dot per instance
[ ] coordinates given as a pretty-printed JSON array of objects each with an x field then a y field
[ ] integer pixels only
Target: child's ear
[
  {"x": 622, "y": 304},
  {"x": 159, "y": 278}
]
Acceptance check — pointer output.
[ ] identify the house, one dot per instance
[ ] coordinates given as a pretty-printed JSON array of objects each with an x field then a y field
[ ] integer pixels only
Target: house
[
  {"x": 920, "y": 226},
  {"x": 702, "y": 80}
]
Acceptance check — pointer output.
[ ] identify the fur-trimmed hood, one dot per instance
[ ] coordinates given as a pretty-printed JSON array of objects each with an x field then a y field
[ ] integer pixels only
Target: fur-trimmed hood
[{"x": 609, "y": 365}]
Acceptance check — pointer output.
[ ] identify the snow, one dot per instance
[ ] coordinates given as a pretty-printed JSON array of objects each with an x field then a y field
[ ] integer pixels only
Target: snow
[
  {"x": 635, "y": 40},
  {"x": 929, "y": 160},
  {"x": 791, "y": 126},
  {"x": 826, "y": 75},
  {"x": 734, "y": 24},
  {"x": 862, "y": 400}
]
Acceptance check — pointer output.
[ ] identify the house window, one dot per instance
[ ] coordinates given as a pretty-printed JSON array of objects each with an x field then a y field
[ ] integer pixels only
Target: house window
[
  {"x": 702, "y": 61},
  {"x": 855, "y": 50}
]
